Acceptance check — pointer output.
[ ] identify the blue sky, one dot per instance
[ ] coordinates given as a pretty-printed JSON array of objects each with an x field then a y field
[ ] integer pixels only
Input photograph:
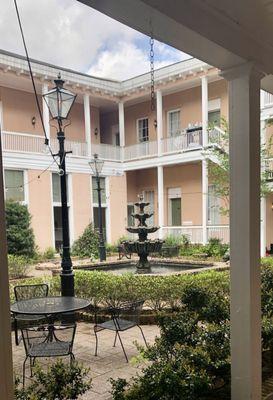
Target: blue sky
[{"x": 72, "y": 35}]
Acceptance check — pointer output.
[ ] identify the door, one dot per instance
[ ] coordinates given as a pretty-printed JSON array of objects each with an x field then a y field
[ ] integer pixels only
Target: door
[{"x": 176, "y": 212}]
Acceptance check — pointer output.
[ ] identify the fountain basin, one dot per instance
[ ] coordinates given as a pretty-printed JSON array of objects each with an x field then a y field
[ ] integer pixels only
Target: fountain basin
[{"x": 146, "y": 247}]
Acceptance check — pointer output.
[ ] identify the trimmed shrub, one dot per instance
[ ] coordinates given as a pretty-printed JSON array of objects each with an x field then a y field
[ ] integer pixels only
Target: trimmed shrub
[
  {"x": 18, "y": 266},
  {"x": 60, "y": 381},
  {"x": 48, "y": 254},
  {"x": 20, "y": 235},
  {"x": 87, "y": 245}
]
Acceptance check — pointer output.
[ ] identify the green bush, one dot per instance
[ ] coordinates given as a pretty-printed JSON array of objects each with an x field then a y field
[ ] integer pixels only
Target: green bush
[
  {"x": 60, "y": 381},
  {"x": 48, "y": 254},
  {"x": 87, "y": 245},
  {"x": 215, "y": 248},
  {"x": 18, "y": 266},
  {"x": 20, "y": 235}
]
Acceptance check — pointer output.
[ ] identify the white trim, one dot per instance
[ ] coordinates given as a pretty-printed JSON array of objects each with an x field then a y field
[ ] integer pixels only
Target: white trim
[
  {"x": 1, "y": 116},
  {"x": 52, "y": 212},
  {"x": 168, "y": 119},
  {"x": 71, "y": 209},
  {"x": 214, "y": 105},
  {"x": 137, "y": 132},
  {"x": 108, "y": 210}
]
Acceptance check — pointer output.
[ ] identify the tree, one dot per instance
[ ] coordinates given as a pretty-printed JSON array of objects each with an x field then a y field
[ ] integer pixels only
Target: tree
[
  {"x": 20, "y": 235},
  {"x": 218, "y": 165}
]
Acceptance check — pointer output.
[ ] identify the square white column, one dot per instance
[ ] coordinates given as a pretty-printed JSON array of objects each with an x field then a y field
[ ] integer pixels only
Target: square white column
[
  {"x": 244, "y": 120},
  {"x": 46, "y": 116},
  {"x": 121, "y": 122},
  {"x": 6, "y": 369},
  {"x": 205, "y": 102},
  {"x": 87, "y": 123},
  {"x": 204, "y": 201},
  {"x": 159, "y": 119},
  {"x": 160, "y": 194}
]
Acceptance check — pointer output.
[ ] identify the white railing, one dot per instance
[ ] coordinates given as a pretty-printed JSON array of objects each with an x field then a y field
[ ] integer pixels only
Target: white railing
[
  {"x": 194, "y": 233},
  {"x": 107, "y": 151},
  {"x": 215, "y": 135},
  {"x": 268, "y": 99},
  {"x": 140, "y": 150},
  {"x": 184, "y": 141},
  {"x": 220, "y": 232},
  {"x": 79, "y": 149},
  {"x": 28, "y": 143},
  {"x": 269, "y": 169}
]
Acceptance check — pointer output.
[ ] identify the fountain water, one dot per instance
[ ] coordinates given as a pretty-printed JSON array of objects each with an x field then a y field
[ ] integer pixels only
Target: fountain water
[{"x": 143, "y": 246}]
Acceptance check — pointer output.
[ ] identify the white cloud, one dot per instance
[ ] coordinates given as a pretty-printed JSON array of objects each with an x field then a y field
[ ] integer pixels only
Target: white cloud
[{"x": 70, "y": 34}]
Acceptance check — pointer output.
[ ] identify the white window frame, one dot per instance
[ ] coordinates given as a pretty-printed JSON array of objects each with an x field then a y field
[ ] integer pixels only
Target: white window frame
[
  {"x": 105, "y": 205},
  {"x": 25, "y": 183},
  {"x": 168, "y": 120},
  {"x": 137, "y": 129}
]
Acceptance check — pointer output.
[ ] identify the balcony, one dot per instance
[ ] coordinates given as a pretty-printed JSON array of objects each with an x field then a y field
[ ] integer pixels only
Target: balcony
[
  {"x": 269, "y": 169},
  {"x": 27, "y": 143},
  {"x": 195, "y": 233}
]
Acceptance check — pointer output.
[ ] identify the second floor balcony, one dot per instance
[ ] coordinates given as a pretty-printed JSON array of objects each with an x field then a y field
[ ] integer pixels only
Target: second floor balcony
[{"x": 189, "y": 140}]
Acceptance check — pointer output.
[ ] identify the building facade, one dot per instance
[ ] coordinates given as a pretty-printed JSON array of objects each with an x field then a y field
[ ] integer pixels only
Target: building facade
[{"x": 158, "y": 153}]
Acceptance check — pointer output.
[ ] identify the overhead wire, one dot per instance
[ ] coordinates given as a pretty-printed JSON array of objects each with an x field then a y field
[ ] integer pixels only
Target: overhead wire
[{"x": 33, "y": 82}]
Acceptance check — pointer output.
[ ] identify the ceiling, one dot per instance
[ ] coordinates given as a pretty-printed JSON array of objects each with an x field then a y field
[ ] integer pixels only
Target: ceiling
[{"x": 223, "y": 33}]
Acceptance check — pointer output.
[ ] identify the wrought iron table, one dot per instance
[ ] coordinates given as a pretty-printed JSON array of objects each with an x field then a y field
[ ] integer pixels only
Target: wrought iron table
[{"x": 50, "y": 307}]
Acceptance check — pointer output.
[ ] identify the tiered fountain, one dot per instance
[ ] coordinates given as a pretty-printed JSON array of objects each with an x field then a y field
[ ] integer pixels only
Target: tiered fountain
[{"x": 143, "y": 246}]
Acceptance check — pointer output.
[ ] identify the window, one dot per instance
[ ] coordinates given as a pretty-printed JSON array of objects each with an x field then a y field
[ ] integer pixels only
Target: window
[
  {"x": 56, "y": 188},
  {"x": 143, "y": 129},
  {"x": 214, "y": 117},
  {"x": 96, "y": 219},
  {"x": 130, "y": 218},
  {"x": 174, "y": 123},
  {"x": 117, "y": 139},
  {"x": 14, "y": 185},
  {"x": 213, "y": 207},
  {"x": 174, "y": 199},
  {"x": 95, "y": 191}
]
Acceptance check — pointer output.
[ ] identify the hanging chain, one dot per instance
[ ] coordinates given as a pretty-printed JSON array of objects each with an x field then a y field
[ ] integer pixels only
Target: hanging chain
[{"x": 152, "y": 72}]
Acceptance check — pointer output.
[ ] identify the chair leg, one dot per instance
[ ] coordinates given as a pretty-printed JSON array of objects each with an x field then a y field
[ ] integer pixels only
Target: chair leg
[
  {"x": 16, "y": 332},
  {"x": 72, "y": 359},
  {"x": 24, "y": 371},
  {"x": 124, "y": 352},
  {"x": 115, "y": 339},
  {"x": 145, "y": 341},
  {"x": 96, "y": 349}
]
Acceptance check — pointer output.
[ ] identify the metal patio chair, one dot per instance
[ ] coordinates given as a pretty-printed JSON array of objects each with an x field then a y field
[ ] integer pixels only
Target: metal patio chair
[
  {"x": 39, "y": 344},
  {"x": 26, "y": 292},
  {"x": 121, "y": 318}
]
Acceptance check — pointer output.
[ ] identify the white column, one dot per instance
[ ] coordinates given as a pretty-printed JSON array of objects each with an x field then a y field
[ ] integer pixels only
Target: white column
[
  {"x": 159, "y": 119},
  {"x": 204, "y": 85},
  {"x": 205, "y": 101},
  {"x": 204, "y": 201},
  {"x": 87, "y": 123},
  {"x": 160, "y": 194},
  {"x": 244, "y": 120},
  {"x": 263, "y": 199},
  {"x": 6, "y": 369},
  {"x": 46, "y": 112},
  {"x": 121, "y": 127}
]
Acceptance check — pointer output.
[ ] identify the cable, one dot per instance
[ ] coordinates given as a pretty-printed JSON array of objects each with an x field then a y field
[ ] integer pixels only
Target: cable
[{"x": 33, "y": 83}]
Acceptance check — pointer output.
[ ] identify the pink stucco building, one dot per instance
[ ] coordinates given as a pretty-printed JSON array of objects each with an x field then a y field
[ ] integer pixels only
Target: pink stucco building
[{"x": 158, "y": 153}]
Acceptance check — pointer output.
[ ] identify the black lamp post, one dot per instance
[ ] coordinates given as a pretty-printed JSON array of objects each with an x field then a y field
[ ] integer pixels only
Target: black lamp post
[
  {"x": 96, "y": 165},
  {"x": 59, "y": 102}
]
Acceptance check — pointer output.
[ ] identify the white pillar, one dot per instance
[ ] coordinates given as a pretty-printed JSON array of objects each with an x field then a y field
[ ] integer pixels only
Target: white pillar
[
  {"x": 87, "y": 123},
  {"x": 263, "y": 199},
  {"x": 204, "y": 201},
  {"x": 205, "y": 101},
  {"x": 204, "y": 85},
  {"x": 160, "y": 194},
  {"x": 159, "y": 119},
  {"x": 6, "y": 369},
  {"x": 244, "y": 120},
  {"x": 121, "y": 122},
  {"x": 46, "y": 112}
]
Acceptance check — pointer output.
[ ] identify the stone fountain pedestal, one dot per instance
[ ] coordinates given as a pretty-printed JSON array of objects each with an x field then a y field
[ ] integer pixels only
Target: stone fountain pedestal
[{"x": 143, "y": 246}]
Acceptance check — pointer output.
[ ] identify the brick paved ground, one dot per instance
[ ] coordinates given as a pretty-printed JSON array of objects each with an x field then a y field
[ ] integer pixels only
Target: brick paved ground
[{"x": 110, "y": 362}]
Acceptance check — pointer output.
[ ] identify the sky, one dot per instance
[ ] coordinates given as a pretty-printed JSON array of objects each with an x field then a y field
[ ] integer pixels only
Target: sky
[{"x": 69, "y": 34}]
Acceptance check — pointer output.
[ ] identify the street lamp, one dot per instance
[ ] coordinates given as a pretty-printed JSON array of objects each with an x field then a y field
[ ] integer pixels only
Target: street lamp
[
  {"x": 59, "y": 102},
  {"x": 96, "y": 165}
]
